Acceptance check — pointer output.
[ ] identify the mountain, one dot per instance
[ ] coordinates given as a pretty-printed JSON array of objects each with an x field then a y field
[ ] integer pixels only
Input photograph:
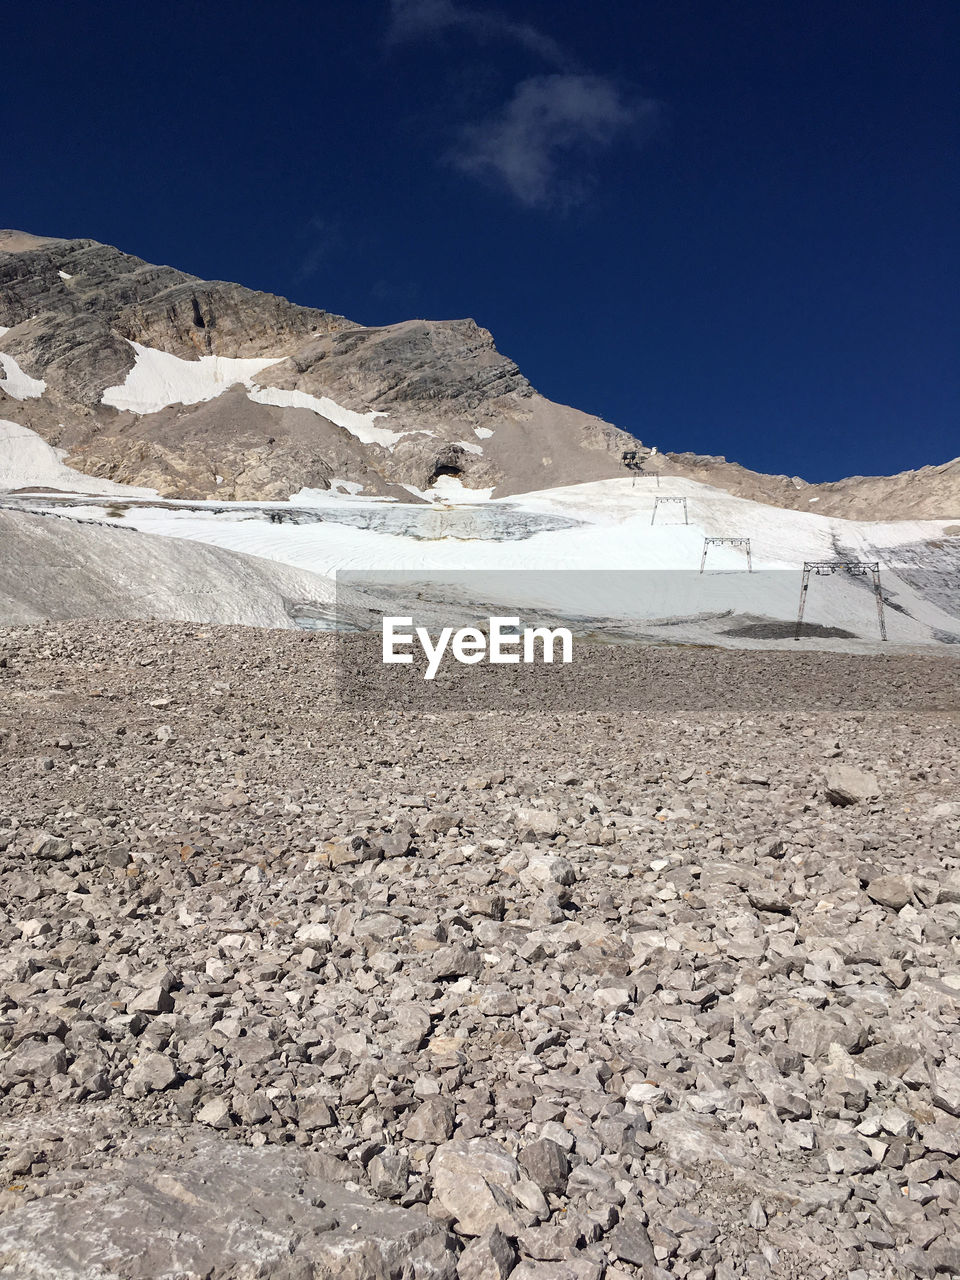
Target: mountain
[
  {"x": 930, "y": 493},
  {"x": 146, "y": 376},
  {"x": 151, "y": 377}
]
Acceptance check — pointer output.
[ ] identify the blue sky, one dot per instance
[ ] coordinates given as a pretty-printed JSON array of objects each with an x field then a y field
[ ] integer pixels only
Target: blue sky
[{"x": 730, "y": 228}]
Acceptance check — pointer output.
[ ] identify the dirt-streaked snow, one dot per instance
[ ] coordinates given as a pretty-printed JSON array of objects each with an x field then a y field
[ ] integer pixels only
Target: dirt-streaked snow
[{"x": 67, "y": 569}]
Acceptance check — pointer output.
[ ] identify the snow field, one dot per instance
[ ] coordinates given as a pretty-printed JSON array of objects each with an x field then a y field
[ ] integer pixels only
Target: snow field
[
  {"x": 159, "y": 380},
  {"x": 614, "y": 536},
  {"x": 27, "y": 461},
  {"x": 359, "y": 425}
]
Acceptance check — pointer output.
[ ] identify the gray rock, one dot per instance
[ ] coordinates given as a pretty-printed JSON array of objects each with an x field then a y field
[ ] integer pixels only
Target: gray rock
[
  {"x": 389, "y": 1173},
  {"x": 153, "y": 999},
  {"x": 546, "y": 869},
  {"x": 630, "y": 1242},
  {"x": 433, "y": 1121},
  {"x": 488, "y": 1257},
  {"x": 814, "y": 1032},
  {"x": 945, "y": 1092},
  {"x": 215, "y": 1113},
  {"x": 891, "y": 891},
  {"x": 614, "y": 999},
  {"x": 542, "y": 822},
  {"x": 551, "y": 1243},
  {"x": 473, "y": 1181},
  {"x": 314, "y": 1114},
  {"x": 153, "y": 1073},
  {"x": 844, "y": 784},
  {"x": 36, "y": 1061},
  {"x": 158, "y": 1208},
  {"x": 546, "y": 1164}
]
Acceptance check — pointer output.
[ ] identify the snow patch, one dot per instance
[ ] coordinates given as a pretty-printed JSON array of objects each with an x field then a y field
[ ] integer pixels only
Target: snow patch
[
  {"x": 4, "y": 328},
  {"x": 449, "y": 489},
  {"x": 27, "y": 461},
  {"x": 359, "y": 425},
  {"x": 417, "y": 493},
  {"x": 64, "y": 275},
  {"x": 352, "y": 487},
  {"x": 470, "y": 446},
  {"x": 452, "y": 489},
  {"x": 333, "y": 497},
  {"x": 159, "y": 379},
  {"x": 482, "y": 433},
  {"x": 18, "y": 384}
]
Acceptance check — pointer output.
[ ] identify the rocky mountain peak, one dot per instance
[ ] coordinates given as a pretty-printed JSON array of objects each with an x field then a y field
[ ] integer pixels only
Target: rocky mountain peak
[
  {"x": 197, "y": 388},
  {"x": 80, "y": 316}
]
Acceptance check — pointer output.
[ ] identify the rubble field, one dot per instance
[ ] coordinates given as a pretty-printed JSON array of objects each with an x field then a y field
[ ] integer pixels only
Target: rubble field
[{"x": 292, "y": 989}]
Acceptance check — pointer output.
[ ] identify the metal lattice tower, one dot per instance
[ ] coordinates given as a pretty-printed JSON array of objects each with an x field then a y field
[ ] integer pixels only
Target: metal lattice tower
[
  {"x": 657, "y": 502},
  {"x": 633, "y": 460},
  {"x": 857, "y": 569},
  {"x": 726, "y": 542}
]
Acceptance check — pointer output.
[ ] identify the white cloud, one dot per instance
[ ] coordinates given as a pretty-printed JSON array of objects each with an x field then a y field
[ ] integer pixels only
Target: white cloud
[
  {"x": 420, "y": 19},
  {"x": 538, "y": 146}
]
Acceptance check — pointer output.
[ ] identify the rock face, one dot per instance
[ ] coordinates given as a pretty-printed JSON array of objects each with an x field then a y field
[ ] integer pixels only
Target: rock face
[
  {"x": 452, "y": 405},
  {"x": 161, "y": 1204},
  {"x": 72, "y": 310},
  {"x": 931, "y": 493}
]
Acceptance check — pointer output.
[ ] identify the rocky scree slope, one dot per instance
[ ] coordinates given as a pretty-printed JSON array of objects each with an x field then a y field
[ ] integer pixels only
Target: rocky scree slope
[{"x": 573, "y": 997}]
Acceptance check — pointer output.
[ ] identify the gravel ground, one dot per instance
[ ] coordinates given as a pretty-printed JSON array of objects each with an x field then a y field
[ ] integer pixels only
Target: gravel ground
[{"x": 289, "y": 990}]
